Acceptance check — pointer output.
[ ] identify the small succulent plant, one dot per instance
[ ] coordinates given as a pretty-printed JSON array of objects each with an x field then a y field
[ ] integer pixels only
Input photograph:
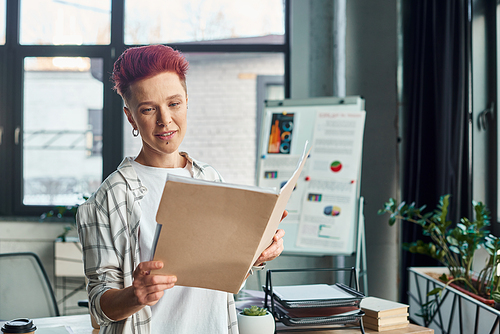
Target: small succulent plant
[{"x": 254, "y": 311}]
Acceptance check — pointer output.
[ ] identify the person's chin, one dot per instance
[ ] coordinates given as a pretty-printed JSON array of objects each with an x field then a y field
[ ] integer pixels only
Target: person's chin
[{"x": 170, "y": 148}]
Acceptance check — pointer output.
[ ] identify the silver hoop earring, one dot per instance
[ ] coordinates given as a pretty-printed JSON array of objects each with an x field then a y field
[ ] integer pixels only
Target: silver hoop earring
[{"x": 135, "y": 132}]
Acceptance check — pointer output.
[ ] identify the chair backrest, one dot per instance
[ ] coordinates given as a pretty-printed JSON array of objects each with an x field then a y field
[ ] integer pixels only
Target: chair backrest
[{"x": 25, "y": 290}]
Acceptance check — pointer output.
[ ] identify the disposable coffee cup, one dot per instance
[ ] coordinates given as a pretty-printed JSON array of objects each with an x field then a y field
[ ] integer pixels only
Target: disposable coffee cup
[{"x": 21, "y": 326}]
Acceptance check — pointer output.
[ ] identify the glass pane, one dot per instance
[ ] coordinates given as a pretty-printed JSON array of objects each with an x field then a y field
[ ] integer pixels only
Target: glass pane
[
  {"x": 170, "y": 21},
  {"x": 2, "y": 21},
  {"x": 62, "y": 129},
  {"x": 222, "y": 112},
  {"x": 275, "y": 92},
  {"x": 70, "y": 22}
]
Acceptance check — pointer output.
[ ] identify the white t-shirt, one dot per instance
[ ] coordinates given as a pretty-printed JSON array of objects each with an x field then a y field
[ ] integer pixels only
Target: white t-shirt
[{"x": 181, "y": 309}]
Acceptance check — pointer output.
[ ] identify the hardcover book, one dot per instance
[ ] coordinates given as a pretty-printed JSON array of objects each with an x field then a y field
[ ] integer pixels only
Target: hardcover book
[{"x": 377, "y": 308}]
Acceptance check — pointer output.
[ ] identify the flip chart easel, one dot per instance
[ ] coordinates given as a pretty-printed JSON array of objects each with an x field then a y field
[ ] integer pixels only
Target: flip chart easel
[{"x": 328, "y": 200}]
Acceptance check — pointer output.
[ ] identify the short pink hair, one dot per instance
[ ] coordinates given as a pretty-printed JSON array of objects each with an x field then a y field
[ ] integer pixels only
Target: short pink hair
[{"x": 144, "y": 62}]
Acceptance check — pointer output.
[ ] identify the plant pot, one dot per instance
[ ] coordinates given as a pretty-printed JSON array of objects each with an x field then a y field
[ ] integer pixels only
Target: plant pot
[
  {"x": 263, "y": 324},
  {"x": 489, "y": 302},
  {"x": 455, "y": 311}
]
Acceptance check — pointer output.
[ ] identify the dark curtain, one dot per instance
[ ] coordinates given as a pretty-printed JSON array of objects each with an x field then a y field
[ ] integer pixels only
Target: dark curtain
[{"x": 436, "y": 113}]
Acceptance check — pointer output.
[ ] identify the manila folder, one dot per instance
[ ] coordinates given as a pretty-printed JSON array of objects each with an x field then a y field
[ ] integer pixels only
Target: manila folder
[{"x": 212, "y": 233}]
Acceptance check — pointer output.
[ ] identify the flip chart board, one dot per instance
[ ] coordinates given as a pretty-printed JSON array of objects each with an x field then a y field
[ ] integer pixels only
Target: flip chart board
[{"x": 323, "y": 209}]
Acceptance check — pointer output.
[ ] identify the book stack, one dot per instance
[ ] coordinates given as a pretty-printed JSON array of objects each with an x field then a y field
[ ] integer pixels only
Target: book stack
[{"x": 383, "y": 315}]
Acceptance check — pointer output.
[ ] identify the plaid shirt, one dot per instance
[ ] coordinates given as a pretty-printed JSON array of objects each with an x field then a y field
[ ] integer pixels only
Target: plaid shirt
[{"x": 108, "y": 227}]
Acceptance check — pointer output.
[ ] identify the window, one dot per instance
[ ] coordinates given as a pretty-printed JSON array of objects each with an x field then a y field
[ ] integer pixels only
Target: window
[
  {"x": 94, "y": 133},
  {"x": 69, "y": 22},
  {"x": 57, "y": 167},
  {"x": 484, "y": 131},
  {"x": 172, "y": 21},
  {"x": 2, "y": 21},
  {"x": 63, "y": 129}
]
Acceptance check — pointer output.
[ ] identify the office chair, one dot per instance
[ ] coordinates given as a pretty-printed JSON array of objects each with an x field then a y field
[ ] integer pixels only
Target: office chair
[{"x": 25, "y": 289}]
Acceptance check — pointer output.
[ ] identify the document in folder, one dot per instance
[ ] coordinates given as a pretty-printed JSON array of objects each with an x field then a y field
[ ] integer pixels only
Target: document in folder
[{"x": 210, "y": 234}]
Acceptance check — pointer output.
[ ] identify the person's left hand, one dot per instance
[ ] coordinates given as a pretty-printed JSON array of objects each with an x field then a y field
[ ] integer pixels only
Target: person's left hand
[{"x": 275, "y": 249}]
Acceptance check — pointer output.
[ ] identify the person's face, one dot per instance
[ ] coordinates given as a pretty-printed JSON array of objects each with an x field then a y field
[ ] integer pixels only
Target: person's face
[{"x": 157, "y": 107}]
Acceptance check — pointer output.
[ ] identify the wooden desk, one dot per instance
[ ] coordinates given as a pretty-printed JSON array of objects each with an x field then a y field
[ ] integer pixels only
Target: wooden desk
[
  {"x": 80, "y": 324},
  {"x": 411, "y": 329}
]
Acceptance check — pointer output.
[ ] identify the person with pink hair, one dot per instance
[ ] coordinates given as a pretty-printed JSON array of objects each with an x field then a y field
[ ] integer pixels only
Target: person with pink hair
[{"x": 116, "y": 225}]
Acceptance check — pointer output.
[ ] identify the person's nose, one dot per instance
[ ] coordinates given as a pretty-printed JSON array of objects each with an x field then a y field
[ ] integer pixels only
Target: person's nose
[{"x": 164, "y": 117}]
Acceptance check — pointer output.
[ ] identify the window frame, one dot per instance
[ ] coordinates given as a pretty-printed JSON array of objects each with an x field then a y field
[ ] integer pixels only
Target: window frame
[{"x": 12, "y": 56}]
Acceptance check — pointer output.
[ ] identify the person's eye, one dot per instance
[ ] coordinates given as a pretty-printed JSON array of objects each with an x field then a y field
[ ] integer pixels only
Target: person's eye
[
  {"x": 174, "y": 104},
  {"x": 147, "y": 110}
]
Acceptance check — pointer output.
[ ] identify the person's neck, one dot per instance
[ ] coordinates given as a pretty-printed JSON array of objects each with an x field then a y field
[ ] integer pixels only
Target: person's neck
[{"x": 171, "y": 160}]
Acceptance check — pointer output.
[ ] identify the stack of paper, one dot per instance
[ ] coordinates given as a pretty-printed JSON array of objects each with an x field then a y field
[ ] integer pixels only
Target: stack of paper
[{"x": 383, "y": 315}]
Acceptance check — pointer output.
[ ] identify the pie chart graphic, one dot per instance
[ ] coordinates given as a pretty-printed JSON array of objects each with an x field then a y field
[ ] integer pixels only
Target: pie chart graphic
[
  {"x": 336, "y": 166},
  {"x": 331, "y": 210}
]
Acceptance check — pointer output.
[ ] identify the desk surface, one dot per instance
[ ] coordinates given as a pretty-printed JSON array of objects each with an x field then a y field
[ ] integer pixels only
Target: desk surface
[{"x": 80, "y": 324}]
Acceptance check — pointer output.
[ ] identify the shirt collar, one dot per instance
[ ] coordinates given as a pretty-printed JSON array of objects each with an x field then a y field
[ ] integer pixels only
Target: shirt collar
[{"x": 128, "y": 172}]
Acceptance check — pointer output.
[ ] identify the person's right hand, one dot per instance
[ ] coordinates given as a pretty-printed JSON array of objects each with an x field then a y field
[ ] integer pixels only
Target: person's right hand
[{"x": 148, "y": 288}]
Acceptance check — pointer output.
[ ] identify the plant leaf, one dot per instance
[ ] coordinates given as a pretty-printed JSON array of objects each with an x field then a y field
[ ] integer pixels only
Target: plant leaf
[{"x": 435, "y": 291}]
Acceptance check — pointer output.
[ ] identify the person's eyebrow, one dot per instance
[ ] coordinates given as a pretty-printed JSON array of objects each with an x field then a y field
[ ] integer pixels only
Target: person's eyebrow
[{"x": 175, "y": 96}]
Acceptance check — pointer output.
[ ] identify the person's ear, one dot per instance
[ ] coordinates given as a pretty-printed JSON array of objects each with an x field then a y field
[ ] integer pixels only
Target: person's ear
[{"x": 129, "y": 117}]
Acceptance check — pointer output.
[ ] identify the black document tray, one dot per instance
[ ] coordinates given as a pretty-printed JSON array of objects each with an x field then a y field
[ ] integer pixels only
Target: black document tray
[
  {"x": 340, "y": 319},
  {"x": 286, "y": 311},
  {"x": 355, "y": 300}
]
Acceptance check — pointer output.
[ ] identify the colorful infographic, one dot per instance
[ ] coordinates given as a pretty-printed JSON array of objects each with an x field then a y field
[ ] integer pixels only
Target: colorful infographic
[
  {"x": 332, "y": 210},
  {"x": 334, "y": 173},
  {"x": 271, "y": 174},
  {"x": 323, "y": 209},
  {"x": 336, "y": 166},
  {"x": 314, "y": 197},
  {"x": 280, "y": 138}
]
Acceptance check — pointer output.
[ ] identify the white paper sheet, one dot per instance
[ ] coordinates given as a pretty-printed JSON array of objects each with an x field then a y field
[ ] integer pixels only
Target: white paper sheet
[{"x": 295, "y": 293}]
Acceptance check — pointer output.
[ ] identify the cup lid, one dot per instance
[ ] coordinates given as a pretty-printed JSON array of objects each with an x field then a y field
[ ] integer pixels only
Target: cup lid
[{"x": 22, "y": 325}]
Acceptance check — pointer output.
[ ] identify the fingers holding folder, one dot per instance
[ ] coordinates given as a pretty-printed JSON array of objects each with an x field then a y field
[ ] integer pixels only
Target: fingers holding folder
[
  {"x": 276, "y": 248},
  {"x": 148, "y": 288}
]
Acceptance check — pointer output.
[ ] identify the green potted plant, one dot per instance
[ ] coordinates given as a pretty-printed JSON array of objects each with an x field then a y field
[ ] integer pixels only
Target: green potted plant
[
  {"x": 454, "y": 245},
  {"x": 255, "y": 320}
]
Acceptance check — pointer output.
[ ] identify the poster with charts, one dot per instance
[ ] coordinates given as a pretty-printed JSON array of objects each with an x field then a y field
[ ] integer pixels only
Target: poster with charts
[
  {"x": 323, "y": 208},
  {"x": 329, "y": 204}
]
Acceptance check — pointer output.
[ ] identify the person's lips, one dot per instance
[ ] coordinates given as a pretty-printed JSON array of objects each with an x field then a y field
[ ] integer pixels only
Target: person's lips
[{"x": 166, "y": 135}]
